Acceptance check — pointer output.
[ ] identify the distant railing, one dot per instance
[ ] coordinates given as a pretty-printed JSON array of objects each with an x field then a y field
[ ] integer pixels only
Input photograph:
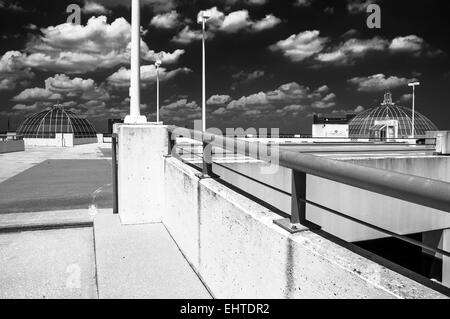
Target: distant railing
[
  {"x": 414, "y": 189},
  {"x": 5, "y": 137}
]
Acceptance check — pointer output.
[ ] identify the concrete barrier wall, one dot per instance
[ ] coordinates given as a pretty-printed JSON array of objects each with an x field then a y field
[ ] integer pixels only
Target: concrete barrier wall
[
  {"x": 12, "y": 146},
  {"x": 384, "y": 211},
  {"x": 234, "y": 246}
]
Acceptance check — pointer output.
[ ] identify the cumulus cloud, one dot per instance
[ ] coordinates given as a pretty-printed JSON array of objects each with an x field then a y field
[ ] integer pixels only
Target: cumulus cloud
[
  {"x": 301, "y": 46},
  {"x": 303, "y": 3},
  {"x": 167, "y": 20},
  {"x": 268, "y": 22},
  {"x": 121, "y": 78},
  {"x": 232, "y": 22},
  {"x": 36, "y": 94},
  {"x": 165, "y": 57},
  {"x": 85, "y": 89},
  {"x": 91, "y": 7},
  {"x": 379, "y": 82},
  {"x": 309, "y": 44},
  {"x": 290, "y": 98},
  {"x": 77, "y": 49},
  {"x": 352, "y": 49},
  {"x": 181, "y": 111},
  {"x": 359, "y": 6},
  {"x": 12, "y": 71},
  {"x": 218, "y": 100},
  {"x": 187, "y": 36}
]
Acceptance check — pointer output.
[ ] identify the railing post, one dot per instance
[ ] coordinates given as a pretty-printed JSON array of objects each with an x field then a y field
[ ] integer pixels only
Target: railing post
[
  {"x": 298, "y": 207},
  {"x": 207, "y": 158},
  {"x": 114, "y": 174},
  {"x": 445, "y": 259},
  {"x": 297, "y": 223},
  {"x": 170, "y": 144}
]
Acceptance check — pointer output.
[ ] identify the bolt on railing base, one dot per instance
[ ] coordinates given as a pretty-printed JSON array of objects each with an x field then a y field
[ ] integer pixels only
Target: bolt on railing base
[
  {"x": 207, "y": 176},
  {"x": 286, "y": 224}
]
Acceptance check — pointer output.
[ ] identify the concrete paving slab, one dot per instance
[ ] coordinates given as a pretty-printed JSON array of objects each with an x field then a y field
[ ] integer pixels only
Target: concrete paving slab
[
  {"x": 45, "y": 220},
  {"x": 48, "y": 264},
  {"x": 15, "y": 163},
  {"x": 58, "y": 185},
  {"x": 141, "y": 261}
]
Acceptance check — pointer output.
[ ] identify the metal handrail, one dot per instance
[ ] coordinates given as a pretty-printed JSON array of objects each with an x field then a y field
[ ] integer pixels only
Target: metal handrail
[{"x": 418, "y": 190}]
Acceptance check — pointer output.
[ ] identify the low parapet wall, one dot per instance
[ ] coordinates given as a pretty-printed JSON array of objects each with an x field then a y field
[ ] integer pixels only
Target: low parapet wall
[
  {"x": 236, "y": 249},
  {"x": 12, "y": 146}
]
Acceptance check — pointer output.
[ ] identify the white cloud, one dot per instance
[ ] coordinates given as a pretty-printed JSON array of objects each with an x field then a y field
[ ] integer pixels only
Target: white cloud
[
  {"x": 236, "y": 21},
  {"x": 303, "y": 3},
  {"x": 167, "y": 20},
  {"x": 12, "y": 71},
  {"x": 268, "y": 22},
  {"x": 348, "y": 51},
  {"x": 227, "y": 23},
  {"x": 85, "y": 89},
  {"x": 412, "y": 44},
  {"x": 359, "y": 6},
  {"x": 290, "y": 98},
  {"x": 187, "y": 36},
  {"x": 77, "y": 49},
  {"x": 379, "y": 82},
  {"x": 181, "y": 111},
  {"x": 165, "y": 57},
  {"x": 217, "y": 100},
  {"x": 24, "y": 107},
  {"x": 91, "y": 7},
  {"x": 36, "y": 94},
  {"x": 121, "y": 78},
  {"x": 299, "y": 47}
]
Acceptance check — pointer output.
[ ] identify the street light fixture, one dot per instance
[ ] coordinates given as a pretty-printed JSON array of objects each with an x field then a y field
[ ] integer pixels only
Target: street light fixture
[
  {"x": 157, "y": 66},
  {"x": 413, "y": 84},
  {"x": 202, "y": 19}
]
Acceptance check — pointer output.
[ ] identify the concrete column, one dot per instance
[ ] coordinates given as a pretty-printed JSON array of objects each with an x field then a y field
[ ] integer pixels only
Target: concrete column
[
  {"x": 446, "y": 260},
  {"x": 141, "y": 172},
  {"x": 135, "y": 71}
]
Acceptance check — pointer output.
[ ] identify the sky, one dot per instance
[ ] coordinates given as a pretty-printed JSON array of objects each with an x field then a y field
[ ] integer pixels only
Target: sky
[{"x": 269, "y": 64}]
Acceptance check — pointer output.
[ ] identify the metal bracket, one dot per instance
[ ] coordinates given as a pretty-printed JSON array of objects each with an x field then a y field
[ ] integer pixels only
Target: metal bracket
[{"x": 286, "y": 224}]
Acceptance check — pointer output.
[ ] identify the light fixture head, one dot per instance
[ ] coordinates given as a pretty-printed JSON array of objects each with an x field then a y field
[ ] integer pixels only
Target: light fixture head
[
  {"x": 202, "y": 17},
  {"x": 413, "y": 83},
  {"x": 158, "y": 63}
]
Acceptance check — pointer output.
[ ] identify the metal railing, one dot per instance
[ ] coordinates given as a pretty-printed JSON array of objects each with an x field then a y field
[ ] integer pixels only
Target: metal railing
[{"x": 414, "y": 189}]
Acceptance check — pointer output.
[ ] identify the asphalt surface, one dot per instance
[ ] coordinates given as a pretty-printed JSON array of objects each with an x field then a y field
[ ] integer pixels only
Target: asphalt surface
[{"x": 58, "y": 185}]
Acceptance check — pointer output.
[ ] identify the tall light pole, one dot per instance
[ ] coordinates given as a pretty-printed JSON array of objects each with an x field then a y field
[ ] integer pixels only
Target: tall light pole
[
  {"x": 157, "y": 65},
  {"x": 135, "y": 116},
  {"x": 202, "y": 20},
  {"x": 413, "y": 84}
]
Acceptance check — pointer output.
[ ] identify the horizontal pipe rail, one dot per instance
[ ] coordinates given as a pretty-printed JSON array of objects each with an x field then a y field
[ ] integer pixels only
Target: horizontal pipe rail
[{"x": 418, "y": 190}]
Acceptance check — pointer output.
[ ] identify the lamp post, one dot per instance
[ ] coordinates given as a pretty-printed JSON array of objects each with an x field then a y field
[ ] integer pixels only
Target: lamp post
[
  {"x": 157, "y": 65},
  {"x": 202, "y": 20},
  {"x": 413, "y": 84},
  {"x": 135, "y": 116}
]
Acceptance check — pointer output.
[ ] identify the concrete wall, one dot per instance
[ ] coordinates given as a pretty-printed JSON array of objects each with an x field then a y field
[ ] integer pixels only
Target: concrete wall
[
  {"x": 389, "y": 213},
  {"x": 60, "y": 140},
  {"x": 11, "y": 146},
  {"x": 234, "y": 246}
]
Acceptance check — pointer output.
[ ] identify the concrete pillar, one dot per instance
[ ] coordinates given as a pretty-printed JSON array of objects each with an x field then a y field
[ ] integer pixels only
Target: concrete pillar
[
  {"x": 135, "y": 70},
  {"x": 446, "y": 260},
  {"x": 141, "y": 148}
]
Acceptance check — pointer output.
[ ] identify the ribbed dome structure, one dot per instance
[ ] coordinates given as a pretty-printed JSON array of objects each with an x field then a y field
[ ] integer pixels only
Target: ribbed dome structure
[
  {"x": 47, "y": 123},
  {"x": 361, "y": 125}
]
